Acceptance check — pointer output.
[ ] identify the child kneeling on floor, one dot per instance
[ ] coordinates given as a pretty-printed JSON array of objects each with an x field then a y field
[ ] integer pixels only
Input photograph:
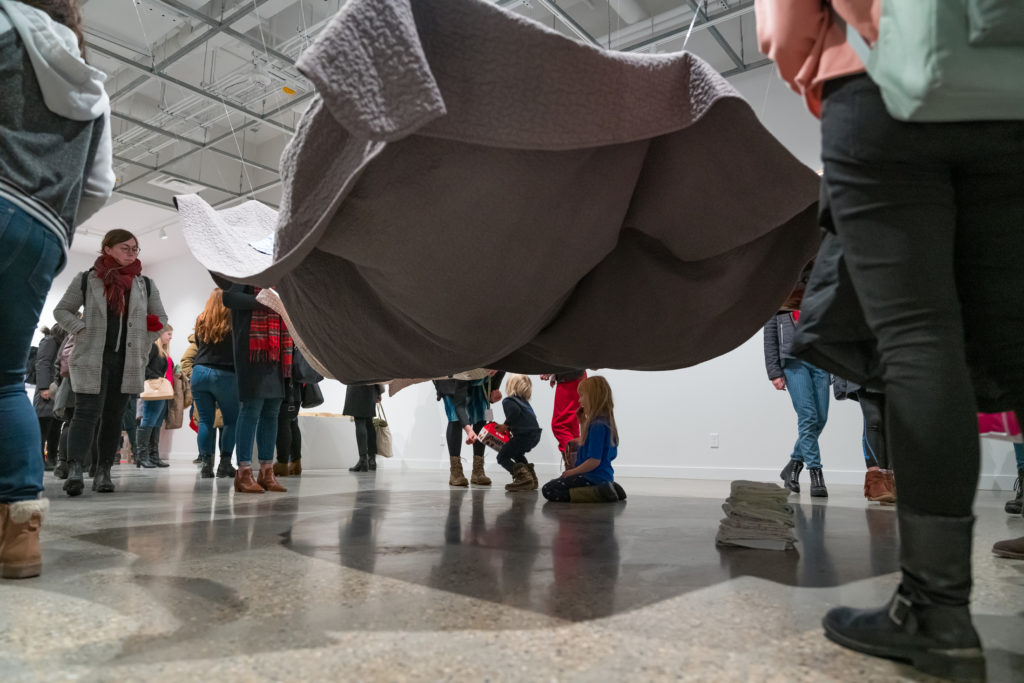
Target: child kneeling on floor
[
  {"x": 521, "y": 421},
  {"x": 592, "y": 480}
]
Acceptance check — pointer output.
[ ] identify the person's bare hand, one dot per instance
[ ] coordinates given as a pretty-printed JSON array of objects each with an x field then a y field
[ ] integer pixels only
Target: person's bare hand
[
  {"x": 779, "y": 383},
  {"x": 501, "y": 429},
  {"x": 470, "y": 439},
  {"x": 45, "y": 393},
  {"x": 495, "y": 396}
]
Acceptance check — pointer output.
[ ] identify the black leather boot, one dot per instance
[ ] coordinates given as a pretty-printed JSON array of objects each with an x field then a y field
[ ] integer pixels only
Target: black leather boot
[
  {"x": 1015, "y": 506},
  {"x": 75, "y": 483},
  {"x": 154, "y": 449},
  {"x": 102, "y": 483},
  {"x": 371, "y": 462},
  {"x": 224, "y": 468},
  {"x": 207, "y": 469},
  {"x": 818, "y": 489},
  {"x": 361, "y": 466},
  {"x": 927, "y": 623},
  {"x": 143, "y": 437},
  {"x": 790, "y": 475}
]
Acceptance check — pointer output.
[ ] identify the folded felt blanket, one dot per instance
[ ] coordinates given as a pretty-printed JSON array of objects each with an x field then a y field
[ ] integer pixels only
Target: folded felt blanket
[
  {"x": 643, "y": 216},
  {"x": 739, "y": 528},
  {"x": 778, "y": 515}
]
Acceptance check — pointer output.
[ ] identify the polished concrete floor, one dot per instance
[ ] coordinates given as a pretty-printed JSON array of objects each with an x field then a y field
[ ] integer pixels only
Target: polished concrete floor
[{"x": 396, "y": 577}]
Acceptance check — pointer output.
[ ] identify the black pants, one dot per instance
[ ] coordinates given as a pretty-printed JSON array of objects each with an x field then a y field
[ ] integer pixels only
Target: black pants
[
  {"x": 366, "y": 436},
  {"x": 128, "y": 423},
  {"x": 931, "y": 220},
  {"x": 454, "y": 437},
  {"x": 289, "y": 439},
  {"x": 557, "y": 490},
  {"x": 516, "y": 449},
  {"x": 49, "y": 429},
  {"x": 872, "y": 407},
  {"x": 104, "y": 409}
]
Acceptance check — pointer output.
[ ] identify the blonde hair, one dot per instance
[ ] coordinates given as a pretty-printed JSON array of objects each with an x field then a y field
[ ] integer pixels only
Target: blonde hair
[
  {"x": 599, "y": 399},
  {"x": 214, "y": 323},
  {"x": 519, "y": 385},
  {"x": 159, "y": 341}
]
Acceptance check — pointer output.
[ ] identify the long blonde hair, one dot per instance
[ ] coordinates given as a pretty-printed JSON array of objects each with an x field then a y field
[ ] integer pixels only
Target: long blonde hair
[
  {"x": 214, "y": 323},
  {"x": 599, "y": 399},
  {"x": 164, "y": 349}
]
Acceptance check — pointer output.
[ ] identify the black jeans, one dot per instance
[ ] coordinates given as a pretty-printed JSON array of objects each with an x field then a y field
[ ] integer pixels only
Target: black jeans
[
  {"x": 366, "y": 436},
  {"x": 872, "y": 407},
  {"x": 557, "y": 490},
  {"x": 289, "y": 439},
  {"x": 104, "y": 409},
  {"x": 516, "y": 449},
  {"x": 49, "y": 428},
  {"x": 931, "y": 220}
]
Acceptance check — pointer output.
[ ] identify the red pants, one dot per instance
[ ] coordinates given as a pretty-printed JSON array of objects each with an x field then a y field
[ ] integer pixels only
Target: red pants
[{"x": 564, "y": 422}]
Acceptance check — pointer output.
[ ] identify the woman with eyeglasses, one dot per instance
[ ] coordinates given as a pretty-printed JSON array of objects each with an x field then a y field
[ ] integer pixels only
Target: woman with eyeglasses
[{"x": 122, "y": 317}]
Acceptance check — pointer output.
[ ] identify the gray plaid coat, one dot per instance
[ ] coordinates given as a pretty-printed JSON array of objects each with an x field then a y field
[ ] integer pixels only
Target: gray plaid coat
[{"x": 86, "y": 362}]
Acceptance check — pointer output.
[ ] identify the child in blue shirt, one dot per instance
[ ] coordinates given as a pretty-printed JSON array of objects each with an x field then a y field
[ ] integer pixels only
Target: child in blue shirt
[{"x": 592, "y": 479}]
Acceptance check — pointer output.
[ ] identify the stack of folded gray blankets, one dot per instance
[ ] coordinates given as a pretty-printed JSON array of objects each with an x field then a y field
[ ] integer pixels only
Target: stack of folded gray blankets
[{"x": 757, "y": 515}]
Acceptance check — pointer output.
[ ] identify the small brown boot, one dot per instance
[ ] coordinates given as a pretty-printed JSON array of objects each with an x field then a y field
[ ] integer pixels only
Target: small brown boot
[
  {"x": 891, "y": 480},
  {"x": 19, "y": 538},
  {"x": 244, "y": 483},
  {"x": 876, "y": 487},
  {"x": 267, "y": 480},
  {"x": 533, "y": 475},
  {"x": 280, "y": 469},
  {"x": 478, "y": 477},
  {"x": 295, "y": 468},
  {"x": 521, "y": 479},
  {"x": 457, "y": 478}
]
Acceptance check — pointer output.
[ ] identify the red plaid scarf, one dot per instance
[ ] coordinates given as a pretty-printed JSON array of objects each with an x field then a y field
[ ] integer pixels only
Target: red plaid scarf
[
  {"x": 117, "y": 280},
  {"x": 269, "y": 341}
]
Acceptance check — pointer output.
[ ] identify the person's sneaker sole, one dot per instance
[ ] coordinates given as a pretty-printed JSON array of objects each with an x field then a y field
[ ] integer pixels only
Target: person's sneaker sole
[{"x": 1007, "y": 554}]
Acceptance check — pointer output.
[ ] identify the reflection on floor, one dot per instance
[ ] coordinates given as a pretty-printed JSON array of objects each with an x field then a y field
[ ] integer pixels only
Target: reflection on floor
[{"x": 395, "y": 576}]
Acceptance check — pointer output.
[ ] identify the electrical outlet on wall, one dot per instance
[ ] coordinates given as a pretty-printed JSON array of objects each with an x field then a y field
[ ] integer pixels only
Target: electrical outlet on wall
[{"x": 714, "y": 439}]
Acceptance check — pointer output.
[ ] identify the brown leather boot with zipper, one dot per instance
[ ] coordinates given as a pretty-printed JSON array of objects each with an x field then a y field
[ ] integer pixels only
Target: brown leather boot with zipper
[
  {"x": 19, "y": 538},
  {"x": 479, "y": 478},
  {"x": 244, "y": 481},
  {"x": 457, "y": 478},
  {"x": 267, "y": 480}
]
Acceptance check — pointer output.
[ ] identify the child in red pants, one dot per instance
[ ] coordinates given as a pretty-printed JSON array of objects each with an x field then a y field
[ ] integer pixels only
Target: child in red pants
[{"x": 565, "y": 422}]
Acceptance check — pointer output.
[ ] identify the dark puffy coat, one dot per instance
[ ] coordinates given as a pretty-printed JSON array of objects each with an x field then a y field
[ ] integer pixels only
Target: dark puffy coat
[
  {"x": 361, "y": 400},
  {"x": 255, "y": 380}
]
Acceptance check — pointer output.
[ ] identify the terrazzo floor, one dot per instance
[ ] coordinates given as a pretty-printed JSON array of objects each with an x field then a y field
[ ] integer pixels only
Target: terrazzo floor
[{"x": 394, "y": 576}]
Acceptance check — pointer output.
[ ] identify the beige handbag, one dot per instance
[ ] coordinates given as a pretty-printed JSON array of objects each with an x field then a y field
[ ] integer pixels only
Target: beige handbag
[
  {"x": 380, "y": 425},
  {"x": 157, "y": 390}
]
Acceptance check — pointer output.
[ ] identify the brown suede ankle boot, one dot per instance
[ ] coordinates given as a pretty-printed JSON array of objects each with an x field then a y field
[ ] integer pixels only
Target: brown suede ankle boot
[
  {"x": 295, "y": 468},
  {"x": 267, "y": 480},
  {"x": 244, "y": 483},
  {"x": 457, "y": 478},
  {"x": 19, "y": 538},
  {"x": 533, "y": 476},
  {"x": 479, "y": 478},
  {"x": 280, "y": 469},
  {"x": 876, "y": 487}
]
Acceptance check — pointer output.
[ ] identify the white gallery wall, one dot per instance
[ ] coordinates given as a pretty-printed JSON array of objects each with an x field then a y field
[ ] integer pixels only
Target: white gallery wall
[{"x": 666, "y": 419}]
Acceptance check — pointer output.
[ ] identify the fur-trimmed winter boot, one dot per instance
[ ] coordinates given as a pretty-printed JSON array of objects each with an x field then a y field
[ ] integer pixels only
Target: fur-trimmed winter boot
[{"x": 19, "y": 538}]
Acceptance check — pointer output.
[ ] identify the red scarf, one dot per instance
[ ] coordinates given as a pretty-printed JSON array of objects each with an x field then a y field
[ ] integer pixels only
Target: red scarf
[
  {"x": 269, "y": 341},
  {"x": 117, "y": 280}
]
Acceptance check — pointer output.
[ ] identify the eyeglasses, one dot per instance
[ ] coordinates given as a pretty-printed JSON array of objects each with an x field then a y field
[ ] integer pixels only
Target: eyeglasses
[{"x": 129, "y": 250}]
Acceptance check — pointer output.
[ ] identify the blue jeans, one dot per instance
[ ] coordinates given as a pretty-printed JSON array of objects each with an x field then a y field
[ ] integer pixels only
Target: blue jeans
[
  {"x": 809, "y": 390},
  {"x": 1018, "y": 450},
  {"x": 213, "y": 388},
  {"x": 153, "y": 413},
  {"x": 30, "y": 257},
  {"x": 257, "y": 418}
]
